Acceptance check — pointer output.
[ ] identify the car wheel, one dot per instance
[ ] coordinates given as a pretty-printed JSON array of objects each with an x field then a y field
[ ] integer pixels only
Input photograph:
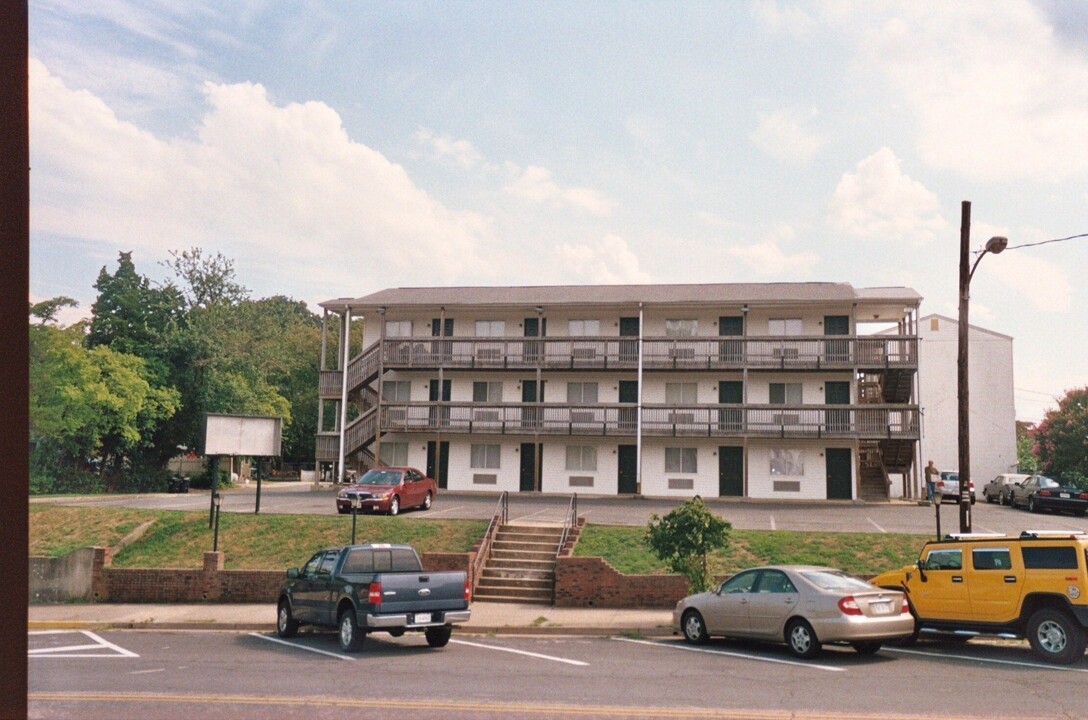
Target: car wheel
[
  {"x": 394, "y": 505},
  {"x": 438, "y": 636},
  {"x": 1032, "y": 507},
  {"x": 694, "y": 627},
  {"x": 1056, "y": 637},
  {"x": 989, "y": 498},
  {"x": 286, "y": 625},
  {"x": 351, "y": 638},
  {"x": 427, "y": 502},
  {"x": 866, "y": 648},
  {"x": 801, "y": 639}
]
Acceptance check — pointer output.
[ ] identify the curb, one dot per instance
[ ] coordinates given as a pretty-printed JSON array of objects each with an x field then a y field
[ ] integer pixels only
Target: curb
[{"x": 271, "y": 627}]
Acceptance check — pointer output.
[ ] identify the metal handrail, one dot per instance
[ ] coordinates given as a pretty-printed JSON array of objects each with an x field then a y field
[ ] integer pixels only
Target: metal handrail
[
  {"x": 569, "y": 523},
  {"x": 500, "y": 518}
]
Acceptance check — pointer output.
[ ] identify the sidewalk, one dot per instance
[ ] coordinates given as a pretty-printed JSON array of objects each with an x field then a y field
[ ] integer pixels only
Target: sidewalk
[{"x": 487, "y": 618}]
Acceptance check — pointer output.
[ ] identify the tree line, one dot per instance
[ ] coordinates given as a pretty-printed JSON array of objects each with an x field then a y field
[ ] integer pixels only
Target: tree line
[{"x": 113, "y": 398}]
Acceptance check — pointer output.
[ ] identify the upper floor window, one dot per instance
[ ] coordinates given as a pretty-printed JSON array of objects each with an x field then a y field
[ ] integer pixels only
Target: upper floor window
[
  {"x": 398, "y": 328},
  {"x": 583, "y": 328},
  {"x": 681, "y": 393},
  {"x": 397, "y": 391},
  {"x": 681, "y": 328},
  {"x": 784, "y": 326},
  {"x": 785, "y": 394},
  {"x": 487, "y": 392},
  {"x": 490, "y": 328},
  {"x": 581, "y": 393}
]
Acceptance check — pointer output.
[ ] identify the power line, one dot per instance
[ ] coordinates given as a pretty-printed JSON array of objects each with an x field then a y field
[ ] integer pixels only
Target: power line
[{"x": 1044, "y": 242}]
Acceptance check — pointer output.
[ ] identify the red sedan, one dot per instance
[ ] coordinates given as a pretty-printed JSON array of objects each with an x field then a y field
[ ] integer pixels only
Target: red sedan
[{"x": 388, "y": 489}]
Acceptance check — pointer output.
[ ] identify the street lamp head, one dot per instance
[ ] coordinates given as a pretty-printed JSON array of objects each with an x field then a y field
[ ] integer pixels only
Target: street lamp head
[
  {"x": 217, "y": 499},
  {"x": 996, "y": 244},
  {"x": 356, "y": 502}
]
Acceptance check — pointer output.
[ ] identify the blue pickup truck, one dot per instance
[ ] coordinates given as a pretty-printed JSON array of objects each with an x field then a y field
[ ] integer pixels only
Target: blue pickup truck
[{"x": 360, "y": 589}]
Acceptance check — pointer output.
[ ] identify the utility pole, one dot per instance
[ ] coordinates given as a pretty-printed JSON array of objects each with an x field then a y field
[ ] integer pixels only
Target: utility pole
[{"x": 963, "y": 394}]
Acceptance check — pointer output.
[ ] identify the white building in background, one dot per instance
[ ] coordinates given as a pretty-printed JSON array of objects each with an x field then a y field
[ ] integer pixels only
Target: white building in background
[
  {"x": 768, "y": 391},
  {"x": 992, "y": 407}
]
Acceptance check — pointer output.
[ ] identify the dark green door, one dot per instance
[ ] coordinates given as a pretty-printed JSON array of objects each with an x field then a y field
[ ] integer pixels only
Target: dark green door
[
  {"x": 438, "y": 467},
  {"x": 533, "y": 350},
  {"x": 837, "y": 393},
  {"x": 628, "y": 417},
  {"x": 731, "y": 351},
  {"x": 529, "y": 466},
  {"x": 627, "y": 478},
  {"x": 730, "y": 392},
  {"x": 440, "y": 415},
  {"x": 531, "y": 416},
  {"x": 731, "y": 471},
  {"x": 839, "y": 474},
  {"x": 836, "y": 351},
  {"x": 629, "y": 348},
  {"x": 443, "y": 349}
]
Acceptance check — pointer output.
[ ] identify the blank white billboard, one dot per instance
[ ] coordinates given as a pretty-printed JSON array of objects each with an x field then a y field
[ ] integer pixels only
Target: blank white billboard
[{"x": 256, "y": 436}]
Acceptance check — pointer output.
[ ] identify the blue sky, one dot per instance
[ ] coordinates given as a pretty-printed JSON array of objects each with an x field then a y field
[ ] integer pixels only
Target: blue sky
[{"x": 335, "y": 149}]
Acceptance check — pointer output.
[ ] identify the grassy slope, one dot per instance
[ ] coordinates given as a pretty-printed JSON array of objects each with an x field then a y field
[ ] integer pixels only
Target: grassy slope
[{"x": 273, "y": 542}]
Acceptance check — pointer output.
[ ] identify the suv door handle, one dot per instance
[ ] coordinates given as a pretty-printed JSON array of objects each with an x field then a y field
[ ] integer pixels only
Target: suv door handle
[
  {"x": 957, "y": 578},
  {"x": 1010, "y": 578}
]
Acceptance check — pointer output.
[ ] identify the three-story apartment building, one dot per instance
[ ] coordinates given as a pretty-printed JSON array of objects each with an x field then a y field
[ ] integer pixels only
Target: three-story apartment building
[{"x": 746, "y": 390}]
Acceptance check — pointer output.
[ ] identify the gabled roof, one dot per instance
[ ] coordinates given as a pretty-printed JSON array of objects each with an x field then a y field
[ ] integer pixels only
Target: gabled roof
[
  {"x": 923, "y": 328},
  {"x": 881, "y": 300}
]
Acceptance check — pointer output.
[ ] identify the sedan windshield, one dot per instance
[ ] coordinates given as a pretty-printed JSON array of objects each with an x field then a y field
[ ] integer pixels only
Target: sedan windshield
[
  {"x": 831, "y": 580},
  {"x": 381, "y": 477}
]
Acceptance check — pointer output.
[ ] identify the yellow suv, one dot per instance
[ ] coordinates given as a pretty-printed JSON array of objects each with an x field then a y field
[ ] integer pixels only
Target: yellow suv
[{"x": 1034, "y": 585}]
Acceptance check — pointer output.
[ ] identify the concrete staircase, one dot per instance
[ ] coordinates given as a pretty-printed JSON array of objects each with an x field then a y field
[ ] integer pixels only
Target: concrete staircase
[{"x": 521, "y": 567}]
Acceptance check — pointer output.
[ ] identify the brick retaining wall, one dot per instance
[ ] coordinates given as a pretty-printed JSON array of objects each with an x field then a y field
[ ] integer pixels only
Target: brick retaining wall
[{"x": 592, "y": 582}]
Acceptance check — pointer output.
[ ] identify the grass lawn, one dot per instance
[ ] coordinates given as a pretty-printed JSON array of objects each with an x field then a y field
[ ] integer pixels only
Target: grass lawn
[{"x": 273, "y": 542}]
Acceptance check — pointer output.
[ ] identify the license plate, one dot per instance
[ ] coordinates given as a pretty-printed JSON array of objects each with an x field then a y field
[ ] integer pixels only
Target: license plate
[
  {"x": 880, "y": 608},
  {"x": 423, "y": 617},
  {"x": 1065, "y": 495}
]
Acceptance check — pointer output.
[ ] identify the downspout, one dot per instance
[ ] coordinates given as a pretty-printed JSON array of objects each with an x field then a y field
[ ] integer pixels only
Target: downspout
[
  {"x": 744, "y": 391},
  {"x": 345, "y": 344},
  {"x": 638, "y": 420}
]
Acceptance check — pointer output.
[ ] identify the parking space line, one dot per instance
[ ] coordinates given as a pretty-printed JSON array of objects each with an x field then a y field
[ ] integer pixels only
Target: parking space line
[
  {"x": 269, "y": 638},
  {"x": 105, "y": 647},
  {"x": 522, "y": 652},
  {"x": 772, "y": 523},
  {"x": 873, "y": 523},
  {"x": 432, "y": 512},
  {"x": 730, "y": 653},
  {"x": 1016, "y": 663}
]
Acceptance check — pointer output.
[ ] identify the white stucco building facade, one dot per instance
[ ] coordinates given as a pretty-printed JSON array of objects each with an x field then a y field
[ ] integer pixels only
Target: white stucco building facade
[{"x": 992, "y": 405}]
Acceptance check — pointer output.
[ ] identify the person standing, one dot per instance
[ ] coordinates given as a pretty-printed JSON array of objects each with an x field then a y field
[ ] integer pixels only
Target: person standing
[{"x": 932, "y": 473}]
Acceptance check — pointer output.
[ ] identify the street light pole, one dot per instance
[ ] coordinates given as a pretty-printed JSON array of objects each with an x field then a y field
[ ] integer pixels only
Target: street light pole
[
  {"x": 994, "y": 245},
  {"x": 356, "y": 503},
  {"x": 217, "y": 499}
]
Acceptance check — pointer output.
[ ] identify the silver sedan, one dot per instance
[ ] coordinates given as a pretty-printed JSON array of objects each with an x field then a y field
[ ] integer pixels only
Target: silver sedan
[{"x": 803, "y": 606}]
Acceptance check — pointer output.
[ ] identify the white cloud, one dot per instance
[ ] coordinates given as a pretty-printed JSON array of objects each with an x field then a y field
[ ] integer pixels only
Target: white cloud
[
  {"x": 1041, "y": 285},
  {"x": 283, "y": 186},
  {"x": 996, "y": 95},
  {"x": 766, "y": 257},
  {"x": 878, "y": 201},
  {"x": 788, "y": 19},
  {"x": 608, "y": 262},
  {"x": 535, "y": 184},
  {"x": 443, "y": 146},
  {"x": 782, "y": 135}
]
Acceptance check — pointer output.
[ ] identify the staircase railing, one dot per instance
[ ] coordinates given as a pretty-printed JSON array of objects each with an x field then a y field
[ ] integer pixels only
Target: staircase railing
[
  {"x": 569, "y": 523},
  {"x": 500, "y": 518}
]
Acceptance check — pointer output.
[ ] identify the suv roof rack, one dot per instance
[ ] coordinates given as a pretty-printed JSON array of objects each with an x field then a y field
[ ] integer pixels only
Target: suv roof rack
[
  {"x": 975, "y": 536},
  {"x": 1050, "y": 533}
]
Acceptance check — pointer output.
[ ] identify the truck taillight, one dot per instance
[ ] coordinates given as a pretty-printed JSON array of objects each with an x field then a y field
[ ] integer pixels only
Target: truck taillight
[
  {"x": 468, "y": 590},
  {"x": 849, "y": 606},
  {"x": 374, "y": 594}
]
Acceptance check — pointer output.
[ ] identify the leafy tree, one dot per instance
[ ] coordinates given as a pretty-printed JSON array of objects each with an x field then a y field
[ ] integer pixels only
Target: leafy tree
[
  {"x": 208, "y": 280},
  {"x": 685, "y": 537},
  {"x": 1026, "y": 462},
  {"x": 1061, "y": 439},
  {"x": 46, "y": 311}
]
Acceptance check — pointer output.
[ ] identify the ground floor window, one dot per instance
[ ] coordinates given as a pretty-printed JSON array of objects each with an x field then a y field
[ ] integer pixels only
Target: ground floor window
[
  {"x": 485, "y": 457},
  {"x": 581, "y": 458},
  {"x": 394, "y": 453},
  {"x": 681, "y": 460},
  {"x": 785, "y": 461}
]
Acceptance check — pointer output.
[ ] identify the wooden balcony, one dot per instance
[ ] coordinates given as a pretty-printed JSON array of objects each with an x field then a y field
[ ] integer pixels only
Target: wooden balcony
[
  {"x": 787, "y": 421},
  {"x": 717, "y": 353}
]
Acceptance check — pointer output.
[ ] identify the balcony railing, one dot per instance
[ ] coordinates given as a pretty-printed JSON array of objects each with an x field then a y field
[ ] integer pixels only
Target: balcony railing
[
  {"x": 792, "y": 352},
  {"x": 796, "y": 421}
]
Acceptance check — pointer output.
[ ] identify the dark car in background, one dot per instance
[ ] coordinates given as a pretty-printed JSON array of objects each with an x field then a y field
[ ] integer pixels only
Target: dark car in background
[
  {"x": 1039, "y": 493},
  {"x": 999, "y": 489},
  {"x": 388, "y": 490}
]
